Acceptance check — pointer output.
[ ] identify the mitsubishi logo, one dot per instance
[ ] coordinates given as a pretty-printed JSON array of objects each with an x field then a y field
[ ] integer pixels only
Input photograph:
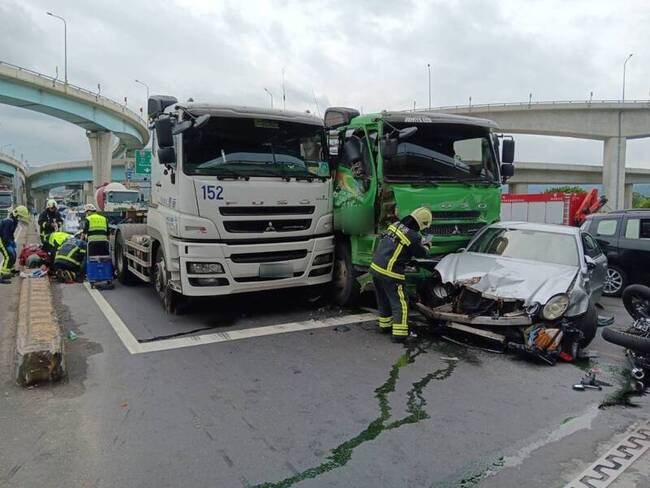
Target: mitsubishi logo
[
  {"x": 269, "y": 227},
  {"x": 456, "y": 230}
]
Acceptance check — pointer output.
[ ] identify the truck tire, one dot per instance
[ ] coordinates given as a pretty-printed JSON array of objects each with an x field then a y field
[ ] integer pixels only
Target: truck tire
[
  {"x": 124, "y": 276},
  {"x": 588, "y": 325},
  {"x": 172, "y": 301},
  {"x": 615, "y": 282},
  {"x": 345, "y": 287},
  {"x": 636, "y": 299}
]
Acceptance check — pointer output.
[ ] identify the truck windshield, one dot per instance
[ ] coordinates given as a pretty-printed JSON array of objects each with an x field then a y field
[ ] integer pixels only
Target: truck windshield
[
  {"x": 122, "y": 196},
  {"x": 5, "y": 200},
  {"x": 254, "y": 147},
  {"x": 444, "y": 152},
  {"x": 532, "y": 245}
]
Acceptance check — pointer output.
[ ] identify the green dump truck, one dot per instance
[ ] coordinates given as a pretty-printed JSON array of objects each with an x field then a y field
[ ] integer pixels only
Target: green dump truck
[{"x": 388, "y": 164}]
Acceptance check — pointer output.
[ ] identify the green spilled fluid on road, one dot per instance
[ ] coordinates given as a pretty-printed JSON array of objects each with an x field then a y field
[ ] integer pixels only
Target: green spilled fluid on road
[{"x": 415, "y": 407}]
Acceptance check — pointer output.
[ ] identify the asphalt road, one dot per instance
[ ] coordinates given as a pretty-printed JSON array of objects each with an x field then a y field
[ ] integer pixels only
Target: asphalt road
[{"x": 335, "y": 406}]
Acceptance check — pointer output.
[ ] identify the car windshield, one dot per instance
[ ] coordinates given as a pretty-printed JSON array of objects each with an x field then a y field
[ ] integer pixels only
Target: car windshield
[
  {"x": 254, "y": 147},
  {"x": 122, "y": 197},
  {"x": 443, "y": 152},
  {"x": 5, "y": 201},
  {"x": 532, "y": 245}
]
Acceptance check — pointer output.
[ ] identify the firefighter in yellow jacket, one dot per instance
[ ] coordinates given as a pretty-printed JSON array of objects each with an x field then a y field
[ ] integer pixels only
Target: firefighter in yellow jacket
[
  {"x": 96, "y": 225},
  {"x": 401, "y": 242}
]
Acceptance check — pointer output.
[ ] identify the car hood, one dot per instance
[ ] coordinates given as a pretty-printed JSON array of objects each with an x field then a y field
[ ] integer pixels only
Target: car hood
[{"x": 506, "y": 278}]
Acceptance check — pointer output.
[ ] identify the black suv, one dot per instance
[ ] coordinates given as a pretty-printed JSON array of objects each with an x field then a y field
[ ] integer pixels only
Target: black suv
[{"x": 624, "y": 235}]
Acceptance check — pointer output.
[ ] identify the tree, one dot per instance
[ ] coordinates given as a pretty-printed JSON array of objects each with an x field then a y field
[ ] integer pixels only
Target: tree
[{"x": 565, "y": 189}]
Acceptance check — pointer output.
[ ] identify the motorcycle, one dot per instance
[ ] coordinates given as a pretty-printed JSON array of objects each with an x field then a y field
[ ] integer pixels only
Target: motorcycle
[{"x": 636, "y": 338}]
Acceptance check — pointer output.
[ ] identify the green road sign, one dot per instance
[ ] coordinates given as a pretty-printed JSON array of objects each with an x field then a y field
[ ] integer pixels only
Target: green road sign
[{"x": 143, "y": 162}]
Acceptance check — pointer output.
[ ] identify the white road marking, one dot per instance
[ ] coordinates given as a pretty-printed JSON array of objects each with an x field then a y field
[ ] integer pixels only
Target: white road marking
[
  {"x": 135, "y": 347},
  {"x": 122, "y": 331},
  {"x": 603, "y": 472}
]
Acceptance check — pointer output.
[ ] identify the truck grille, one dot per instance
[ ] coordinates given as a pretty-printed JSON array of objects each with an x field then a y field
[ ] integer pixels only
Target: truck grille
[
  {"x": 253, "y": 279},
  {"x": 261, "y": 226},
  {"x": 268, "y": 257},
  {"x": 456, "y": 214},
  {"x": 454, "y": 229},
  {"x": 294, "y": 210}
]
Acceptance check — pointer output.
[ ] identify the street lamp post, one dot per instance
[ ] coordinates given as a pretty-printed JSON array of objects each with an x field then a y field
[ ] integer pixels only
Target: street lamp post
[
  {"x": 270, "y": 94},
  {"x": 624, "y": 66},
  {"x": 146, "y": 87},
  {"x": 429, "y": 70},
  {"x": 65, "y": 44}
]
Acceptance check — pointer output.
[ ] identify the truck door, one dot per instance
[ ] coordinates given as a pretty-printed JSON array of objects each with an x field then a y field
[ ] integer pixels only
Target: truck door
[{"x": 634, "y": 248}]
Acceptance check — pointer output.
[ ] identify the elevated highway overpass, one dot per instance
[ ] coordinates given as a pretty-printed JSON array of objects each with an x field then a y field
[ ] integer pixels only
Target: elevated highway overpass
[
  {"x": 612, "y": 121},
  {"x": 11, "y": 169},
  {"x": 99, "y": 116}
]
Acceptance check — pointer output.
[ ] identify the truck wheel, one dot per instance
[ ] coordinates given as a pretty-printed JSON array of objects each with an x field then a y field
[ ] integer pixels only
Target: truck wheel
[
  {"x": 124, "y": 276},
  {"x": 615, "y": 282},
  {"x": 172, "y": 302},
  {"x": 345, "y": 287}
]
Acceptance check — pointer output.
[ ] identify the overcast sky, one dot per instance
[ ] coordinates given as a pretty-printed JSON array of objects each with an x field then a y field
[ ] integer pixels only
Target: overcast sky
[{"x": 369, "y": 54}]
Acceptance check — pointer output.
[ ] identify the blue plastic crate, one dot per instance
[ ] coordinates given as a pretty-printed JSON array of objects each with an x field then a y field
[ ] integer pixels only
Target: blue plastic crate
[{"x": 99, "y": 269}]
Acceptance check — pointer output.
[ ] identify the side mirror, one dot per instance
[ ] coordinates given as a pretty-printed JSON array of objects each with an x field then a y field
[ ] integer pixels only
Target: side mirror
[
  {"x": 507, "y": 171},
  {"x": 407, "y": 132},
  {"x": 591, "y": 264},
  {"x": 352, "y": 151},
  {"x": 167, "y": 156},
  {"x": 158, "y": 103},
  {"x": 339, "y": 116},
  {"x": 508, "y": 151},
  {"x": 388, "y": 148},
  {"x": 201, "y": 120},
  {"x": 164, "y": 132}
]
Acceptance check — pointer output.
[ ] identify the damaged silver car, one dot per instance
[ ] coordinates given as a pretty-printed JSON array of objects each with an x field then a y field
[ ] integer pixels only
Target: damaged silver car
[{"x": 528, "y": 286}]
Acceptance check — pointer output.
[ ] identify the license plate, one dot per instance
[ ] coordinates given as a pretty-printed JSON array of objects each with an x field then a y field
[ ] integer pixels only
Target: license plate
[{"x": 276, "y": 270}]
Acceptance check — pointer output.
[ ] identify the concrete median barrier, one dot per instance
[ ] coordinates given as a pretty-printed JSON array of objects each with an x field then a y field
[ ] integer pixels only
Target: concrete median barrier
[{"x": 39, "y": 337}]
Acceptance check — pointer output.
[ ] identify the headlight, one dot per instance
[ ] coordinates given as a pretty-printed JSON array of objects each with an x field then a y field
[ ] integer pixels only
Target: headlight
[
  {"x": 555, "y": 307},
  {"x": 204, "y": 268}
]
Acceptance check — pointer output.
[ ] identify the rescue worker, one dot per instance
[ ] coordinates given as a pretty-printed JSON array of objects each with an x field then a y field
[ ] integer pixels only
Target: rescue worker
[
  {"x": 401, "y": 242},
  {"x": 8, "y": 242},
  {"x": 49, "y": 221},
  {"x": 70, "y": 259},
  {"x": 55, "y": 241},
  {"x": 95, "y": 225}
]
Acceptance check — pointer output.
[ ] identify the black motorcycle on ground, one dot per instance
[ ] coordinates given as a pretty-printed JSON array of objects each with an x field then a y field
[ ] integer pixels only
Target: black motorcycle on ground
[{"x": 636, "y": 338}]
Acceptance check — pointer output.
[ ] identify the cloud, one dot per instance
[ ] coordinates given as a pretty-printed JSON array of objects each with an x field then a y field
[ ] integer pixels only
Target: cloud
[{"x": 369, "y": 54}]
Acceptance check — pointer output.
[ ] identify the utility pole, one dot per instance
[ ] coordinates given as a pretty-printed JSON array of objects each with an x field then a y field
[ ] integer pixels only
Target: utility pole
[
  {"x": 65, "y": 44},
  {"x": 147, "y": 88},
  {"x": 284, "y": 93},
  {"x": 270, "y": 94},
  {"x": 429, "y": 69}
]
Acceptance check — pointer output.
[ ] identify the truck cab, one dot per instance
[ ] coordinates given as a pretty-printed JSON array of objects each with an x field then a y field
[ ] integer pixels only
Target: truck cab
[
  {"x": 241, "y": 201},
  {"x": 390, "y": 163}
]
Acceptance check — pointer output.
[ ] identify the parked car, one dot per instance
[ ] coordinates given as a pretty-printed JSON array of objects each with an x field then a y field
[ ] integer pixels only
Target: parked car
[
  {"x": 517, "y": 282},
  {"x": 624, "y": 236}
]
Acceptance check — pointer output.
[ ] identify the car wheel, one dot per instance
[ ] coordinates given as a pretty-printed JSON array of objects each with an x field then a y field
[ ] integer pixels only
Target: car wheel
[
  {"x": 345, "y": 287},
  {"x": 615, "y": 282},
  {"x": 588, "y": 325},
  {"x": 171, "y": 301},
  {"x": 636, "y": 299}
]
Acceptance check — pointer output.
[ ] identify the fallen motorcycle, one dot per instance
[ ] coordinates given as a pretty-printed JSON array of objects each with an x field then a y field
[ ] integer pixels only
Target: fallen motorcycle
[{"x": 636, "y": 338}]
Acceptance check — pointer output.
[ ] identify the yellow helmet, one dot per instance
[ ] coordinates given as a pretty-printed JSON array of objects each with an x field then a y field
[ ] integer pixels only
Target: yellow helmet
[
  {"x": 51, "y": 203},
  {"x": 22, "y": 213},
  {"x": 422, "y": 216}
]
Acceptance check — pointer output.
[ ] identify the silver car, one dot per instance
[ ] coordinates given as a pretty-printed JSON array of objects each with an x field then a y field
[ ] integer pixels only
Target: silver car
[{"x": 521, "y": 282}]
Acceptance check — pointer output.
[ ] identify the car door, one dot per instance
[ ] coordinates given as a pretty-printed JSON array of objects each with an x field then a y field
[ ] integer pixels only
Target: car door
[
  {"x": 598, "y": 271},
  {"x": 634, "y": 248}
]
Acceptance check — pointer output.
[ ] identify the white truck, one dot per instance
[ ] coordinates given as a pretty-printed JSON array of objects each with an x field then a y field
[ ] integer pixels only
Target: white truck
[
  {"x": 115, "y": 197},
  {"x": 241, "y": 201}
]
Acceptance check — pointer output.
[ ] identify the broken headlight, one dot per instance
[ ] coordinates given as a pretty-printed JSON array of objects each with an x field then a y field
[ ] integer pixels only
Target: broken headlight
[{"x": 555, "y": 307}]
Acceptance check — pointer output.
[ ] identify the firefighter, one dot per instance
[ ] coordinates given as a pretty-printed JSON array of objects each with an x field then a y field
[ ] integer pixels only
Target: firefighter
[
  {"x": 55, "y": 241},
  {"x": 95, "y": 225},
  {"x": 49, "y": 221},
  {"x": 70, "y": 259},
  {"x": 401, "y": 242},
  {"x": 8, "y": 242}
]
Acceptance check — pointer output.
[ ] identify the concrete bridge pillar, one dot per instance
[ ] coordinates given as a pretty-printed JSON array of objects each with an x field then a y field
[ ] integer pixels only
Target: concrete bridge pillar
[
  {"x": 518, "y": 188},
  {"x": 87, "y": 193},
  {"x": 100, "y": 148},
  {"x": 629, "y": 190},
  {"x": 614, "y": 172}
]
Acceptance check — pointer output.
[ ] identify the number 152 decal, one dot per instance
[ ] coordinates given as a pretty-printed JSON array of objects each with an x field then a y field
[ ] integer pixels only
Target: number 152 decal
[{"x": 211, "y": 192}]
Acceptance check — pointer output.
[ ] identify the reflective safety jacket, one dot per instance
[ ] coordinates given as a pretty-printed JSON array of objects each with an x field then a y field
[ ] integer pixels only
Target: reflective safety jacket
[
  {"x": 47, "y": 219},
  {"x": 7, "y": 229},
  {"x": 72, "y": 251},
  {"x": 395, "y": 249},
  {"x": 56, "y": 239},
  {"x": 96, "y": 228}
]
